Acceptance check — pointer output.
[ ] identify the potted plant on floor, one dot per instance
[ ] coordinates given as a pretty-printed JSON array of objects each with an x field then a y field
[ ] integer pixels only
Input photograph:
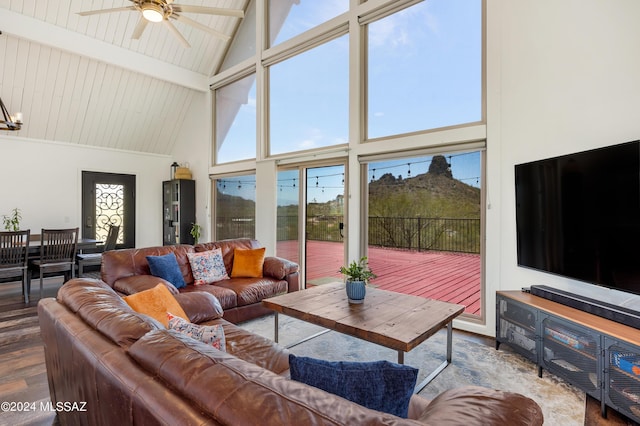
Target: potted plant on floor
[{"x": 357, "y": 276}]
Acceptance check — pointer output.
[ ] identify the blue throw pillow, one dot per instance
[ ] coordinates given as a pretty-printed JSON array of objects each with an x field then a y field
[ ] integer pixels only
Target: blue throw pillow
[
  {"x": 166, "y": 267},
  {"x": 379, "y": 385}
]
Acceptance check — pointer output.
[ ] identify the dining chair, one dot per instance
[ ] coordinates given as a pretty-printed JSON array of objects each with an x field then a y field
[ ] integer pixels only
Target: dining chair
[
  {"x": 95, "y": 259},
  {"x": 58, "y": 248},
  {"x": 14, "y": 253}
]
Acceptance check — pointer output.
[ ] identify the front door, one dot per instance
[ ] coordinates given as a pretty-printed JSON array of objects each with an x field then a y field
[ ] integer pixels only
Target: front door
[{"x": 108, "y": 199}]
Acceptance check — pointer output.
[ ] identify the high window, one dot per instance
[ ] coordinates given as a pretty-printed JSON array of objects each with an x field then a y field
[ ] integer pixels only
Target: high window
[
  {"x": 235, "y": 121},
  {"x": 288, "y": 18},
  {"x": 309, "y": 99},
  {"x": 425, "y": 68}
]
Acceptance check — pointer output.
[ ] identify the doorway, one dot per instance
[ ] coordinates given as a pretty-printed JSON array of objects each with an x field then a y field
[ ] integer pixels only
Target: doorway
[
  {"x": 311, "y": 220},
  {"x": 109, "y": 199}
]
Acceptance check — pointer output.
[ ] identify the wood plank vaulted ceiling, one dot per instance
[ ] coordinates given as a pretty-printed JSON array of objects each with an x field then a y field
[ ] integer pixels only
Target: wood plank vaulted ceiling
[{"x": 83, "y": 80}]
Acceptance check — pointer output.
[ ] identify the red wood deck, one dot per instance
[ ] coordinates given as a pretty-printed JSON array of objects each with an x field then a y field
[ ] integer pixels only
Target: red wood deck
[{"x": 450, "y": 277}]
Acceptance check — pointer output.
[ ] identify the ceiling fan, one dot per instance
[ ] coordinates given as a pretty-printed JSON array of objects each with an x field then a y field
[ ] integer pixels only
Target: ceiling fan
[{"x": 163, "y": 10}]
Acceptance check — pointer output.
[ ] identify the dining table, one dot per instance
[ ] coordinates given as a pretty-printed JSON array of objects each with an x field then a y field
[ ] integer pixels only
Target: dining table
[{"x": 83, "y": 244}]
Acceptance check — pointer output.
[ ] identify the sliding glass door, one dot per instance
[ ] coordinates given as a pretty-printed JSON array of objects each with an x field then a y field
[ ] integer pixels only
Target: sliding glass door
[{"x": 311, "y": 232}]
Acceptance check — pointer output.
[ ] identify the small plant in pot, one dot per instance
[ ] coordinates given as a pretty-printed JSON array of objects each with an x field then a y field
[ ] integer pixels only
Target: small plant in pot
[
  {"x": 195, "y": 232},
  {"x": 12, "y": 222},
  {"x": 357, "y": 276}
]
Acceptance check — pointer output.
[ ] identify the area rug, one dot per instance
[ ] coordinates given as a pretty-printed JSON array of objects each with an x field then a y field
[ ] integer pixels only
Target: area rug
[{"x": 472, "y": 364}]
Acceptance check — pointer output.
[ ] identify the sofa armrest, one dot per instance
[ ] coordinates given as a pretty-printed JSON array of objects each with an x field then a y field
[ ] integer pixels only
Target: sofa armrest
[
  {"x": 278, "y": 267},
  {"x": 200, "y": 306},
  {"x": 282, "y": 269},
  {"x": 475, "y": 405},
  {"x": 137, "y": 283}
]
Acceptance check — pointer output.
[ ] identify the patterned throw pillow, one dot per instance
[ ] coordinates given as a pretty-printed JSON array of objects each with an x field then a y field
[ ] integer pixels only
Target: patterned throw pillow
[
  {"x": 207, "y": 267},
  {"x": 212, "y": 335}
]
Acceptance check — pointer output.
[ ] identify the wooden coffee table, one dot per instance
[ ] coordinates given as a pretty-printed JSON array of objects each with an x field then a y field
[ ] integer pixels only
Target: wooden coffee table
[{"x": 394, "y": 320}]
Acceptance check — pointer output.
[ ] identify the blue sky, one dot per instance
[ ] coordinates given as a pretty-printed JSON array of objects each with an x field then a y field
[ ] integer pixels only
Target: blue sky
[{"x": 424, "y": 72}]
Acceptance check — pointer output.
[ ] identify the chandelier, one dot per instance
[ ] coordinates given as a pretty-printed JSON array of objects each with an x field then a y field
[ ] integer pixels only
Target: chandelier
[{"x": 10, "y": 122}]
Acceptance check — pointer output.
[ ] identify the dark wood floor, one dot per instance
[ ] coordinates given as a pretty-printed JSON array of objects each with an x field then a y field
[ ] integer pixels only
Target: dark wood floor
[{"x": 23, "y": 376}]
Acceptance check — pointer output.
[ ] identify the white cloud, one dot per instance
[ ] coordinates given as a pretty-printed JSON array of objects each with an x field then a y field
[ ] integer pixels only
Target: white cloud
[
  {"x": 390, "y": 31},
  {"x": 307, "y": 144}
]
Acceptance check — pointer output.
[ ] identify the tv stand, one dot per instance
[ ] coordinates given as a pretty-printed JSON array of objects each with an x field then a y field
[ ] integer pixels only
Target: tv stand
[
  {"x": 596, "y": 307},
  {"x": 599, "y": 356}
]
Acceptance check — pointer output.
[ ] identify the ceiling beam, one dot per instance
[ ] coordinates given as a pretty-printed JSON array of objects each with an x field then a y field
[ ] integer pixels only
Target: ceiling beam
[{"x": 51, "y": 35}]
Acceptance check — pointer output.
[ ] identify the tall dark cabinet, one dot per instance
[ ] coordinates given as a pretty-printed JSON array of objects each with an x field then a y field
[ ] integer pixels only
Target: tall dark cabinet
[{"x": 179, "y": 211}]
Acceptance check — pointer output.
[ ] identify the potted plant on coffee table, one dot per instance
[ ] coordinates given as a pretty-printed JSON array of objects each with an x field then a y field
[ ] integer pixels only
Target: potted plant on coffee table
[{"x": 357, "y": 276}]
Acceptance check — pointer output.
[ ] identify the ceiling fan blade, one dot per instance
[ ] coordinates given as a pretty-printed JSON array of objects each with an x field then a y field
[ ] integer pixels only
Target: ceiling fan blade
[
  {"x": 176, "y": 33},
  {"x": 137, "y": 32},
  {"x": 115, "y": 9},
  {"x": 208, "y": 10},
  {"x": 198, "y": 25}
]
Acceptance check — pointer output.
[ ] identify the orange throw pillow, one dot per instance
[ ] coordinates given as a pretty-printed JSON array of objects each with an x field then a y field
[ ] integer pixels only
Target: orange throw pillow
[
  {"x": 156, "y": 302},
  {"x": 247, "y": 263}
]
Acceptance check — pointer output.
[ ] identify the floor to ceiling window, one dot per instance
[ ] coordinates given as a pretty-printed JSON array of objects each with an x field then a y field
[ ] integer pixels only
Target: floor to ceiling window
[
  {"x": 424, "y": 226},
  {"x": 394, "y": 86},
  {"x": 235, "y": 206}
]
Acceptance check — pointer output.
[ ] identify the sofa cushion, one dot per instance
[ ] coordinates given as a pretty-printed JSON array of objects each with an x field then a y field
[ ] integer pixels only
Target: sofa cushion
[
  {"x": 156, "y": 303},
  {"x": 200, "y": 306},
  {"x": 254, "y": 348},
  {"x": 166, "y": 267},
  {"x": 212, "y": 335},
  {"x": 118, "y": 264},
  {"x": 379, "y": 385},
  {"x": 207, "y": 267},
  {"x": 234, "y": 391},
  {"x": 248, "y": 263},
  {"x": 253, "y": 290},
  {"x": 137, "y": 283},
  {"x": 104, "y": 310},
  {"x": 227, "y": 297},
  {"x": 475, "y": 405}
]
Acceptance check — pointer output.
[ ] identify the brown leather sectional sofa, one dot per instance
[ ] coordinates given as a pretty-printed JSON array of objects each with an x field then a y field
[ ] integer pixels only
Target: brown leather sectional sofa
[
  {"x": 127, "y": 271},
  {"x": 122, "y": 367}
]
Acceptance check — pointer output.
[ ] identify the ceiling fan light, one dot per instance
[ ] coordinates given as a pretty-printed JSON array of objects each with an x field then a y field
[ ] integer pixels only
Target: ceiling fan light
[{"x": 152, "y": 12}]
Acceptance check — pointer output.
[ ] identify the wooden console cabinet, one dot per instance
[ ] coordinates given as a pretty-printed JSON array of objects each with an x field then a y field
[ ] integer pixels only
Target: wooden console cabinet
[{"x": 599, "y": 356}]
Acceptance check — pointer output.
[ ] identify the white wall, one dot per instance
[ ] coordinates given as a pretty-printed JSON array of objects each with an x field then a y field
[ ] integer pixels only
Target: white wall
[
  {"x": 194, "y": 148},
  {"x": 562, "y": 77},
  {"x": 44, "y": 180}
]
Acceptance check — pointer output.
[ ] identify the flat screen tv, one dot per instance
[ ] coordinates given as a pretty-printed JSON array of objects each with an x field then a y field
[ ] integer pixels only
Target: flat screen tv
[{"x": 578, "y": 216}]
